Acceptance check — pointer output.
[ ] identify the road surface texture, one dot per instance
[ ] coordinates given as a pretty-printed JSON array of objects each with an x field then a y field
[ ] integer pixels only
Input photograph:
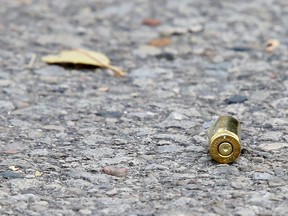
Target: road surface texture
[{"x": 60, "y": 126}]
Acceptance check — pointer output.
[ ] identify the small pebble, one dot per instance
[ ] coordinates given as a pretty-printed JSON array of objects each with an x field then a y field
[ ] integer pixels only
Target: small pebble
[
  {"x": 119, "y": 172},
  {"x": 236, "y": 99},
  {"x": 151, "y": 22}
]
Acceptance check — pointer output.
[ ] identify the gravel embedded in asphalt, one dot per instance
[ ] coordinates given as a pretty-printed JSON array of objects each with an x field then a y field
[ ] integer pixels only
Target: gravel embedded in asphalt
[{"x": 60, "y": 126}]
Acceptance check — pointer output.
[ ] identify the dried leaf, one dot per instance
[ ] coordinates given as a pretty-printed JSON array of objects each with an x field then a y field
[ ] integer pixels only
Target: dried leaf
[
  {"x": 160, "y": 42},
  {"x": 151, "y": 22},
  {"x": 84, "y": 57},
  {"x": 38, "y": 173},
  {"x": 119, "y": 172},
  {"x": 271, "y": 45}
]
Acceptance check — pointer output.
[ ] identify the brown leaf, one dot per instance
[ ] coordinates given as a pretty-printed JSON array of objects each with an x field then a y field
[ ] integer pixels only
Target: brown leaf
[
  {"x": 151, "y": 22},
  {"x": 84, "y": 57},
  {"x": 119, "y": 172},
  {"x": 160, "y": 42},
  {"x": 271, "y": 45}
]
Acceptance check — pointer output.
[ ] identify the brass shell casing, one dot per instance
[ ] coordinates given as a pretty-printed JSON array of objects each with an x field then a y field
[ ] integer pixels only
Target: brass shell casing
[{"x": 224, "y": 139}]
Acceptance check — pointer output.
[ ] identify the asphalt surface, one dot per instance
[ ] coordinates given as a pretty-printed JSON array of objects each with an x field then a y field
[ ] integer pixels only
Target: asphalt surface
[{"x": 79, "y": 141}]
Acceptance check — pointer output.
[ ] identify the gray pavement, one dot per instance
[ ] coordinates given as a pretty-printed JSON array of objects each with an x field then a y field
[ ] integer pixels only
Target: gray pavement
[{"x": 60, "y": 126}]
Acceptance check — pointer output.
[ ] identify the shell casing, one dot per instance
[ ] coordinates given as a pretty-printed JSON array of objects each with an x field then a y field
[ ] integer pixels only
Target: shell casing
[{"x": 224, "y": 139}]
